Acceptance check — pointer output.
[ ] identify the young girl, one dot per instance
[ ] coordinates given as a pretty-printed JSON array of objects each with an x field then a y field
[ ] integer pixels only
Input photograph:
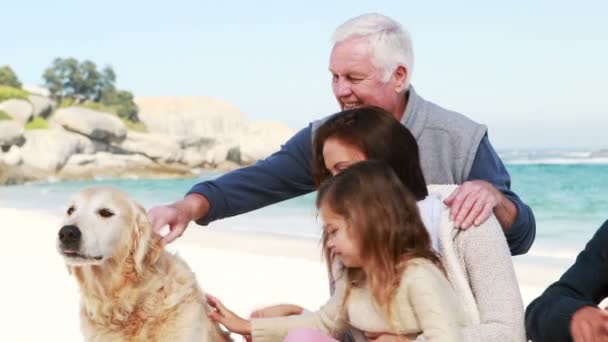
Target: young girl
[{"x": 391, "y": 281}]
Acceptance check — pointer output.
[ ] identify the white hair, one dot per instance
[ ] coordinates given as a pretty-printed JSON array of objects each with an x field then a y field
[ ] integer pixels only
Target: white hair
[{"x": 390, "y": 44}]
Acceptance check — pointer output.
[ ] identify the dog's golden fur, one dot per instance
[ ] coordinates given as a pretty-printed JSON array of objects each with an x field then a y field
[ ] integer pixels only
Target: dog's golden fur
[{"x": 132, "y": 290}]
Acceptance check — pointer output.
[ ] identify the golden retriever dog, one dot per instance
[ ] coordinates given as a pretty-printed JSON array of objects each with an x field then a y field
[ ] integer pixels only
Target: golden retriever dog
[{"x": 131, "y": 288}]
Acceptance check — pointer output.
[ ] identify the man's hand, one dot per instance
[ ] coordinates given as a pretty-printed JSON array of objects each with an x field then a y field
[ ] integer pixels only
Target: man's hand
[
  {"x": 178, "y": 215},
  {"x": 473, "y": 202},
  {"x": 227, "y": 318},
  {"x": 277, "y": 311},
  {"x": 589, "y": 324}
]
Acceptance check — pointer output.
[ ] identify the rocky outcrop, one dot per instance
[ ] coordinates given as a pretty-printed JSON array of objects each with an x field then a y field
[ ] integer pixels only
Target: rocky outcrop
[
  {"x": 103, "y": 164},
  {"x": 156, "y": 147},
  {"x": 48, "y": 150},
  {"x": 42, "y": 106},
  {"x": 100, "y": 126},
  {"x": 193, "y": 117},
  {"x": 11, "y": 133},
  {"x": 184, "y": 134},
  {"x": 20, "y": 110}
]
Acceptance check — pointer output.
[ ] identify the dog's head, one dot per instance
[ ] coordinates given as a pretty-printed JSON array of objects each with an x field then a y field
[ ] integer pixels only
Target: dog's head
[{"x": 103, "y": 224}]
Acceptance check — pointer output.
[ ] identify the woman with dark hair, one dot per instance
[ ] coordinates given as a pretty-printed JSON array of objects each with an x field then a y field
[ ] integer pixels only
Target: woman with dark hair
[
  {"x": 372, "y": 133},
  {"x": 477, "y": 260}
]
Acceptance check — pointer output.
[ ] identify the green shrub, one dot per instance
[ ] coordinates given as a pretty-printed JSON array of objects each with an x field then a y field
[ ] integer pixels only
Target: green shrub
[
  {"x": 4, "y": 116},
  {"x": 38, "y": 123},
  {"x": 7, "y": 93},
  {"x": 8, "y": 77},
  {"x": 66, "y": 102},
  {"x": 97, "y": 106},
  {"x": 135, "y": 126}
]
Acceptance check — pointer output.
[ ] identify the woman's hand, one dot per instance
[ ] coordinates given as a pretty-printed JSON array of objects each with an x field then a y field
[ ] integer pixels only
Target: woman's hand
[
  {"x": 220, "y": 314},
  {"x": 277, "y": 311}
]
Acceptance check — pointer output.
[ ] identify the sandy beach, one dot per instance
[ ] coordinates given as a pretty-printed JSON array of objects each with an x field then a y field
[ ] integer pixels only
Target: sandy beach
[{"x": 39, "y": 299}]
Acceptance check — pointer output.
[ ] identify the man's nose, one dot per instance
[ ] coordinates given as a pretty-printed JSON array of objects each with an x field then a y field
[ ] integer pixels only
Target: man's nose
[{"x": 342, "y": 88}]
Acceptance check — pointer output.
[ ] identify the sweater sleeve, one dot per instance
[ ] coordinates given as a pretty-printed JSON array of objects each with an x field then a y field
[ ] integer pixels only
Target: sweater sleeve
[
  {"x": 329, "y": 319},
  {"x": 584, "y": 284},
  {"x": 283, "y": 175},
  {"x": 434, "y": 303},
  {"x": 493, "y": 282}
]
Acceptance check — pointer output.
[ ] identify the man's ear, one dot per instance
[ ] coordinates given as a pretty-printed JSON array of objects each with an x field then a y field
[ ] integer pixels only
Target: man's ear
[{"x": 399, "y": 78}]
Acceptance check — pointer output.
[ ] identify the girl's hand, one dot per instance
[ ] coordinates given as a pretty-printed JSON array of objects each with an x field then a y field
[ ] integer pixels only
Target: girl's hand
[
  {"x": 385, "y": 337},
  {"x": 277, "y": 311},
  {"x": 220, "y": 314}
]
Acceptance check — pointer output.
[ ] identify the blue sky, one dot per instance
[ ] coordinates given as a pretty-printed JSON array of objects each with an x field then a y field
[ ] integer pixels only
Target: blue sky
[{"x": 534, "y": 71}]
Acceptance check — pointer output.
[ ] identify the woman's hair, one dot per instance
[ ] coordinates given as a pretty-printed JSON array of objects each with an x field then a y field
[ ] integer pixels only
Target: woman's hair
[
  {"x": 378, "y": 135},
  {"x": 383, "y": 218}
]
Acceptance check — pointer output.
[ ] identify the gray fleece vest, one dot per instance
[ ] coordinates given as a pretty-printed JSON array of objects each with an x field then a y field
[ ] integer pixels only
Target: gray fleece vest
[{"x": 447, "y": 140}]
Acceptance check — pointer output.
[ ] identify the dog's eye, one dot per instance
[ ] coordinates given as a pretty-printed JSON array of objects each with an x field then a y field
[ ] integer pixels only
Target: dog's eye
[
  {"x": 70, "y": 210},
  {"x": 105, "y": 213}
]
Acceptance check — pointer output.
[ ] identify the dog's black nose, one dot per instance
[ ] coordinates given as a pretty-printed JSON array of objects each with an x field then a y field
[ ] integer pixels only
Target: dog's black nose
[{"x": 69, "y": 236}]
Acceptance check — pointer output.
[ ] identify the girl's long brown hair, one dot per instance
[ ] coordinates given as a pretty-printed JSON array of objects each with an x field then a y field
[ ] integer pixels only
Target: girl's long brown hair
[{"x": 383, "y": 218}]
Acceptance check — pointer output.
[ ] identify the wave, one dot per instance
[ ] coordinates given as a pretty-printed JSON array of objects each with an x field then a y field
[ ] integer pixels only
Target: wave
[
  {"x": 554, "y": 157},
  {"x": 559, "y": 161}
]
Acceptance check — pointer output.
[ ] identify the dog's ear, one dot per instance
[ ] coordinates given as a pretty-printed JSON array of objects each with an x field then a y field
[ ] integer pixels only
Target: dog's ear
[{"x": 147, "y": 246}]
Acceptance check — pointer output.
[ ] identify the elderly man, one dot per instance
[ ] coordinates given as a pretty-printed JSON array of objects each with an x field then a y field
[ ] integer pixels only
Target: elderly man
[{"x": 371, "y": 63}]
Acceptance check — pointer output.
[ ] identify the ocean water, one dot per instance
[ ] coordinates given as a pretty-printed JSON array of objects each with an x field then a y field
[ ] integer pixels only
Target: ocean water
[{"x": 567, "y": 190}]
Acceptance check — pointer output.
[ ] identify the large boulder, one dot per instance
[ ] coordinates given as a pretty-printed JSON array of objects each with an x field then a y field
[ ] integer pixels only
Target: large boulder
[
  {"x": 204, "y": 152},
  {"x": 96, "y": 125},
  {"x": 42, "y": 106},
  {"x": 12, "y": 157},
  {"x": 261, "y": 139},
  {"x": 212, "y": 119},
  {"x": 158, "y": 147},
  {"x": 49, "y": 150},
  {"x": 11, "y": 133},
  {"x": 190, "y": 116},
  {"x": 103, "y": 164},
  {"x": 20, "y": 110},
  {"x": 17, "y": 174}
]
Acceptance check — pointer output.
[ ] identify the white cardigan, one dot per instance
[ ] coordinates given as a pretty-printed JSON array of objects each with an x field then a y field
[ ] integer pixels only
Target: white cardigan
[{"x": 480, "y": 269}]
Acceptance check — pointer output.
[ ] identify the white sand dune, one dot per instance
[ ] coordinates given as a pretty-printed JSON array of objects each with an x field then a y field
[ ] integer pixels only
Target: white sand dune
[{"x": 39, "y": 299}]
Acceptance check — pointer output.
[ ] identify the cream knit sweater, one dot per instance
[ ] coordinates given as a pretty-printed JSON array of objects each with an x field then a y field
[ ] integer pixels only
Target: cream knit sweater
[
  {"x": 480, "y": 269},
  {"x": 424, "y": 303}
]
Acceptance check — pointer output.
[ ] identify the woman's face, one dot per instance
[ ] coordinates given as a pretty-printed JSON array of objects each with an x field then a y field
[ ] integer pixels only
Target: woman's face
[{"x": 339, "y": 155}]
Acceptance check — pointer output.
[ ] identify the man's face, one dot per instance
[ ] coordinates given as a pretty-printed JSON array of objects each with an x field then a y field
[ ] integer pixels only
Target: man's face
[{"x": 357, "y": 82}]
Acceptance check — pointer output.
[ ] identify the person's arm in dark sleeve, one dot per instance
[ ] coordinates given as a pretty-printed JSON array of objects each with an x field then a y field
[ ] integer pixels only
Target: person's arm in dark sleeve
[
  {"x": 283, "y": 175},
  {"x": 488, "y": 166},
  {"x": 584, "y": 284}
]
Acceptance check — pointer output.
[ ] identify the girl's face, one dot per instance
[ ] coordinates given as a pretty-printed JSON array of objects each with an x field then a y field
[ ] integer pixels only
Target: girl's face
[
  {"x": 339, "y": 155},
  {"x": 340, "y": 241}
]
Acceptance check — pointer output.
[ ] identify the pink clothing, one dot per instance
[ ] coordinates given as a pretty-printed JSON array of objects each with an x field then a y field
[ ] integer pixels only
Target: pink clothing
[{"x": 301, "y": 335}]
